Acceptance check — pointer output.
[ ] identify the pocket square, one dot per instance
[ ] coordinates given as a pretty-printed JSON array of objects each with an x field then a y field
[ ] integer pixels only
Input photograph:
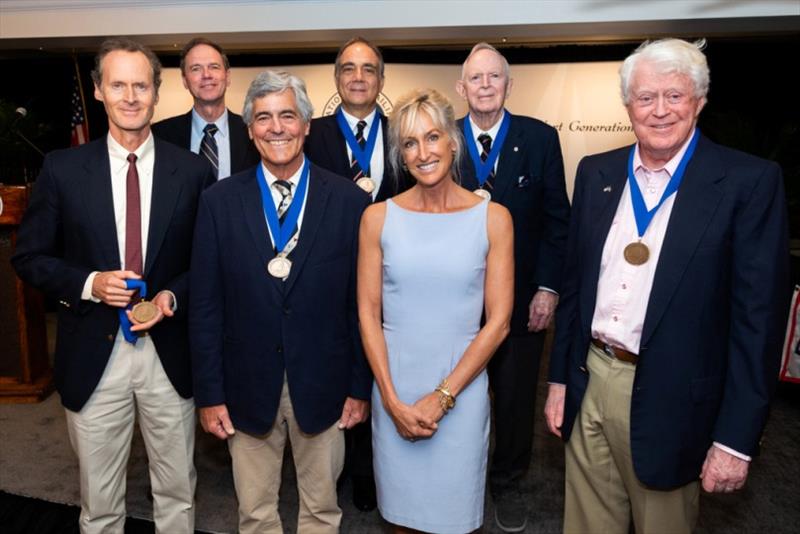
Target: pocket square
[{"x": 523, "y": 181}]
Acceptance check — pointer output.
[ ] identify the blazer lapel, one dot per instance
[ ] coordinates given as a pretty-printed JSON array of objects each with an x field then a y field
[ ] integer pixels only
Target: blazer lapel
[
  {"x": 250, "y": 195},
  {"x": 696, "y": 201},
  {"x": 165, "y": 193},
  {"x": 337, "y": 150},
  {"x": 510, "y": 165},
  {"x": 603, "y": 196},
  {"x": 312, "y": 218},
  {"x": 239, "y": 142},
  {"x": 186, "y": 130},
  {"x": 99, "y": 201}
]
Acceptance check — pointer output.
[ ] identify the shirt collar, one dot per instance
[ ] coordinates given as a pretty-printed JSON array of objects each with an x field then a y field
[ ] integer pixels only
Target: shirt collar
[
  {"x": 294, "y": 179},
  {"x": 198, "y": 123},
  {"x": 353, "y": 120},
  {"x": 476, "y": 130},
  {"x": 671, "y": 165},
  {"x": 119, "y": 154}
]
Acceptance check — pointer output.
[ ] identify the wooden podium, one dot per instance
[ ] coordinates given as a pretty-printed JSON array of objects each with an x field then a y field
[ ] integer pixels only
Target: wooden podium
[{"x": 25, "y": 374}]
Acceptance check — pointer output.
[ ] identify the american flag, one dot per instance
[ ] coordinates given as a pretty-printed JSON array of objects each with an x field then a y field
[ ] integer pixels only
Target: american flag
[{"x": 78, "y": 124}]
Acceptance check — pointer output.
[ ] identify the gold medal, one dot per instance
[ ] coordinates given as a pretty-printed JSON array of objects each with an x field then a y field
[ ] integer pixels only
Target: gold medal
[
  {"x": 144, "y": 311},
  {"x": 637, "y": 253},
  {"x": 366, "y": 183},
  {"x": 483, "y": 193},
  {"x": 279, "y": 266}
]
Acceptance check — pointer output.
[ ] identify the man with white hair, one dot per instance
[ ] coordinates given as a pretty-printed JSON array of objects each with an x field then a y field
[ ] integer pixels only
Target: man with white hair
[
  {"x": 672, "y": 309},
  {"x": 516, "y": 161}
]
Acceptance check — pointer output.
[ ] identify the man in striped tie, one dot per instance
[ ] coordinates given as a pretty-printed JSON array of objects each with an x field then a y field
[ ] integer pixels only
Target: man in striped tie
[{"x": 209, "y": 128}]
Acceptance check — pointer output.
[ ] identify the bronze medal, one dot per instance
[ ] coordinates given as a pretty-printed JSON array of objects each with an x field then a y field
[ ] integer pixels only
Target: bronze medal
[
  {"x": 483, "y": 193},
  {"x": 279, "y": 267},
  {"x": 144, "y": 311},
  {"x": 366, "y": 183},
  {"x": 636, "y": 253}
]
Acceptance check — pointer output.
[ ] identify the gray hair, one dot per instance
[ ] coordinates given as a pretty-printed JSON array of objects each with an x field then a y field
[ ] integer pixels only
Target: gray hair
[
  {"x": 337, "y": 66},
  {"x": 405, "y": 114},
  {"x": 669, "y": 56},
  {"x": 271, "y": 81},
  {"x": 486, "y": 46}
]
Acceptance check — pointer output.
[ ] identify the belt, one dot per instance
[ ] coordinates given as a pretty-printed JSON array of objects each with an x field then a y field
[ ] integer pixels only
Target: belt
[{"x": 616, "y": 352}]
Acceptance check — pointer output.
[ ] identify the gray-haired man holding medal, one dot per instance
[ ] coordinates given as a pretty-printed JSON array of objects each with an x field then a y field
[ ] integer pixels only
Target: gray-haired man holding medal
[
  {"x": 276, "y": 350},
  {"x": 673, "y": 306},
  {"x": 516, "y": 161}
]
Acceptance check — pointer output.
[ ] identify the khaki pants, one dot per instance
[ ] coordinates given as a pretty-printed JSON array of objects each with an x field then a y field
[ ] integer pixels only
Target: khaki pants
[
  {"x": 602, "y": 491},
  {"x": 257, "y": 461},
  {"x": 134, "y": 382}
]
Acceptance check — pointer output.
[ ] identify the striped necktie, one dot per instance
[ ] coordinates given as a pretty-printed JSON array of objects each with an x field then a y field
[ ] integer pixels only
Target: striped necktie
[
  {"x": 208, "y": 146},
  {"x": 486, "y": 144},
  {"x": 355, "y": 168}
]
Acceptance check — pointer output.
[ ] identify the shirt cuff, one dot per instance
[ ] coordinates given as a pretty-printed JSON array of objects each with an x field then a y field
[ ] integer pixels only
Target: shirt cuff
[
  {"x": 174, "y": 298},
  {"x": 86, "y": 294},
  {"x": 543, "y": 288},
  {"x": 732, "y": 452}
]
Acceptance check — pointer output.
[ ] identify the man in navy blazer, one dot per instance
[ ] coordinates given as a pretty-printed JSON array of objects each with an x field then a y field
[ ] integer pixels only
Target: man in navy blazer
[
  {"x": 276, "y": 350},
  {"x": 205, "y": 72},
  {"x": 120, "y": 207},
  {"x": 672, "y": 309},
  {"x": 358, "y": 72},
  {"x": 524, "y": 172}
]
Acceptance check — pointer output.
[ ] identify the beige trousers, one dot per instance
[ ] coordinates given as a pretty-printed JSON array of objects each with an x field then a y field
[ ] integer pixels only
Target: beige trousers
[
  {"x": 602, "y": 490},
  {"x": 257, "y": 461},
  {"x": 134, "y": 382}
]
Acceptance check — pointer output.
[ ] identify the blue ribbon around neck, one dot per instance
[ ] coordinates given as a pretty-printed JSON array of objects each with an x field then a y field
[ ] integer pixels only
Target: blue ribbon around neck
[
  {"x": 281, "y": 233},
  {"x": 362, "y": 156},
  {"x": 484, "y": 168},
  {"x": 640, "y": 211}
]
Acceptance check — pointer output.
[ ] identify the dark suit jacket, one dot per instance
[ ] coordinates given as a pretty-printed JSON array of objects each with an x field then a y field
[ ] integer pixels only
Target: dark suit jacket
[
  {"x": 713, "y": 330},
  {"x": 530, "y": 183},
  {"x": 248, "y": 328},
  {"x": 326, "y": 147},
  {"x": 178, "y": 131},
  {"x": 69, "y": 231}
]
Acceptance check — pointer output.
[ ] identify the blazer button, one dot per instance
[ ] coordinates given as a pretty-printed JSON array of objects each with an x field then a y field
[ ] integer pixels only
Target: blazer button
[
  {"x": 279, "y": 348},
  {"x": 287, "y": 311}
]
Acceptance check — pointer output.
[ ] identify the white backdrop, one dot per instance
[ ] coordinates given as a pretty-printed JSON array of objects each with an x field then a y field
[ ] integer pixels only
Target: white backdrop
[{"x": 581, "y": 100}]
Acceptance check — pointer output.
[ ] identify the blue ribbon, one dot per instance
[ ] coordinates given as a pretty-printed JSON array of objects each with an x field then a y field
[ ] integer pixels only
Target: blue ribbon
[
  {"x": 640, "y": 212},
  {"x": 281, "y": 233},
  {"x": 484, "y": 168},
  {"x": 362, "y": 156},
  {"x": 124, "y": 322}
]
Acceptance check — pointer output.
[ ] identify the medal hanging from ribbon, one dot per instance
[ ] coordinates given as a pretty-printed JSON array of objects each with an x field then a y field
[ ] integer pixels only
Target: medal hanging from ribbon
[
  {"x": 142, "y": 312},
  {"x": 484, "y": 168},
  {"x": 637, "y": 253},
  {"x": 362, "y": 155},
  {"x": 280, "y": 266}
]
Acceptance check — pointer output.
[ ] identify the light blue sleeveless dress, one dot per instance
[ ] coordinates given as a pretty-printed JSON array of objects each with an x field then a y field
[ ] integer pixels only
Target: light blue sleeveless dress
[{"x": 433, "y": 277}]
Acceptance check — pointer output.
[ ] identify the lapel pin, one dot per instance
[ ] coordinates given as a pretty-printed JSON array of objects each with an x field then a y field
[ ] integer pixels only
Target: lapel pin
[
  {"x": 516, "y": 149},
  {"x": 607, "y": 189}
]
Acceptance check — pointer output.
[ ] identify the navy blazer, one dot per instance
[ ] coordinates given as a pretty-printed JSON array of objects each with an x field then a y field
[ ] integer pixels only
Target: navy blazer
[
  {"x": 530, "y": 182},
  {"x": 326, "y": 147},
  {"x": 178, "y": 131},
  {"x": 249, "y": 329},
  {"x": 713, "y": 331},
  {"x": 68, "y": 231}
]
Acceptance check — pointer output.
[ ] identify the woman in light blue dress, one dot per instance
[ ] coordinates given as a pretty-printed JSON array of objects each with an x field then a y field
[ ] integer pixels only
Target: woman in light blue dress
[{"x": 431, "y": 261}]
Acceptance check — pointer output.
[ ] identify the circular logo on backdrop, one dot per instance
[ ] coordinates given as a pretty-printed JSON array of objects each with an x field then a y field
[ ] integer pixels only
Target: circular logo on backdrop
[{"x": 333, "y": 102}]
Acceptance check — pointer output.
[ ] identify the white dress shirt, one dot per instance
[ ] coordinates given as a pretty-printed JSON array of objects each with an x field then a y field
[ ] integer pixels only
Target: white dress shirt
[{"x": 276, "y": 196}]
